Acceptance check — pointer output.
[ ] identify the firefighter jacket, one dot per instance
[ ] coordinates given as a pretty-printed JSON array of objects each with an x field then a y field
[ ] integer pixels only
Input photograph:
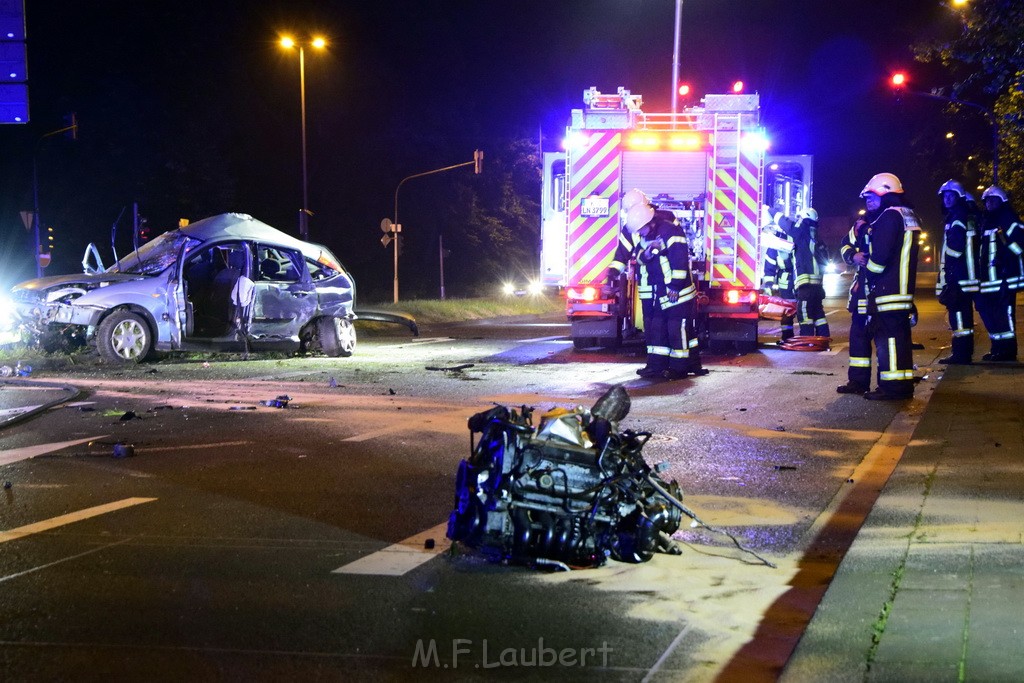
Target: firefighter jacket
[
  {"x": 624, "y": 252},
  {"x": 779, "y": 262},
  {"x": 892, "y": 260},
  {"x": 664, "y": 262},
  {"x": 805, "y": 247},
  {"x": 1001, "y": 257},
  {"x": 958, "y": 261},
  {"x": 854, "y": 242}
]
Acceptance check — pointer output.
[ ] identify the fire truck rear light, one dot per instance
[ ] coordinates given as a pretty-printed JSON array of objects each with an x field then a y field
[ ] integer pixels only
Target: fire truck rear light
[
  {"x": 644, "y": 141},
  {"x": 686, "y": 141},
  {"x": 739, "y": 296},
  {"x": 585, "y": 294}
]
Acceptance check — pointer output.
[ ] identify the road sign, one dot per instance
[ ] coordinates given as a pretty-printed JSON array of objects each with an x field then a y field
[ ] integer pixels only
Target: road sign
[
  {"x": 26, "y": 218},
  {"x": 385, "y": 240},
  {"x": 386, "y": 226}
]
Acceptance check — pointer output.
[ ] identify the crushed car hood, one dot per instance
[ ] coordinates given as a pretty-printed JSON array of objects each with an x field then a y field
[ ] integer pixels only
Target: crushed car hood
[{"x": 51, "y": 281}]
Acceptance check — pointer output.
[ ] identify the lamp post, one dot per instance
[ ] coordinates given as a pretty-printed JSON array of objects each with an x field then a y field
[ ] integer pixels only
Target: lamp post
[{"x": 318, "y": 43}]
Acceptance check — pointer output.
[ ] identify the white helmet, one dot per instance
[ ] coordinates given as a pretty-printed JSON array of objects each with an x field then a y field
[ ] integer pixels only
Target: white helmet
[
  {"x": 994, "y": 191},
  {"x": 953, "y": 186},
  {"x": 809, "y": 213},
  {"x": 639, "y": 216},
  {"x": 632, "y": 198},
  {"x": 882, "y": 183}
]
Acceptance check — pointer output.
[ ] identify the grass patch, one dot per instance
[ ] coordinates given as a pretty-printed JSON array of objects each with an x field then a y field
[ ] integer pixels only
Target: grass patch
[{"x": 455, "y": 310}]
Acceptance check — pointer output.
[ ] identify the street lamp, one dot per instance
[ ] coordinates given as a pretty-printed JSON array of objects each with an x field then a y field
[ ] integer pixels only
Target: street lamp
[{"x": 318, "y": 43}]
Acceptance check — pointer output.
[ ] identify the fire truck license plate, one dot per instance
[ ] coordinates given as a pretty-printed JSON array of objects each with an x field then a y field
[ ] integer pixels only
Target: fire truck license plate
[{"x": 594, "y": 206}]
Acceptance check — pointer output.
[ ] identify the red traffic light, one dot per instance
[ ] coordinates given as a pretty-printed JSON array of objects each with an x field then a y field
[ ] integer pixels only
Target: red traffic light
[
  {"x": 898, "y": 80},
  {"x": 684, "y": 89},
  {"x": 737, "y": 87}
]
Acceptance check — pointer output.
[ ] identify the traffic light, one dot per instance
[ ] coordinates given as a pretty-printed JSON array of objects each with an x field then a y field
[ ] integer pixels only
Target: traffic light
[
  {"x": 898, "y": 83},
  {"x": 683, "y": 89},
  {"x": 478, "y": 161},
  {"x": 737, "y": 87},
  {"x": 49, "y": 238}
]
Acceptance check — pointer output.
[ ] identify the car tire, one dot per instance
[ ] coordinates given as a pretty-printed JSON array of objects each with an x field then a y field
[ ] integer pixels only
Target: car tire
[
  {"x": 124, "y": 338},
  {"x": 337, "y": 336}
]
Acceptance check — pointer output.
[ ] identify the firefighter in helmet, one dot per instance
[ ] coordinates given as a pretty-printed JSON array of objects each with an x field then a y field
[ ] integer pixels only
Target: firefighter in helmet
[
  {"x": 854, "y": 251},
  {"x": 626, "y": 245},
  {"x": 890, "y": 278},
  {"x": 780, "y": 269},
  {"x": 958, "y": 282},
  {"x": 667, "y": 294},
  {"x": 809, "y": 264},
  {"x": 1001, "y": 265}
]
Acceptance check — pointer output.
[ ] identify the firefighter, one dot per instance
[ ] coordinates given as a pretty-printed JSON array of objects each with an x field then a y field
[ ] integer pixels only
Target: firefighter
[
  {"x": 1002, "y": 243},
  {"x": 809, "y": 268},
  {"x": 891, "y": 273},
  {"x": 958, "y": 282},
  {"x": 667, "y": 293},
  {"x": 626, "y": 245},
  {"x": 780, "y": 269},
  {"x": 854, "y": 251}
]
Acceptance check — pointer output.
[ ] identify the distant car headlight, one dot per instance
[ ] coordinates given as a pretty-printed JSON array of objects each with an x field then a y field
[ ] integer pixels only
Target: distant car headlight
[
  {"x": 535, "y": 288},
  {"x": 508, "y": 289},
  {"x": 830, "y": 267}
]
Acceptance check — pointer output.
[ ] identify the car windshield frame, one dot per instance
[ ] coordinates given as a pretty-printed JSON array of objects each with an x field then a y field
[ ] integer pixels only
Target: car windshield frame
[{"x": 156, "y": 256}]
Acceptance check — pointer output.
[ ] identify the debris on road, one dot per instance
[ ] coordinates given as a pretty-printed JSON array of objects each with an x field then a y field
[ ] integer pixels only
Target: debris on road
[
  {"x": 123, "y": 450},
  {"x": 451, "y": 368},
  {"x": 279, "y": 402}
]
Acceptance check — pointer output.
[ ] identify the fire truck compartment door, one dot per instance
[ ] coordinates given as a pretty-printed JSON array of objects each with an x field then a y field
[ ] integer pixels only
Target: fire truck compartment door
[{"x": 681, "y": 175}]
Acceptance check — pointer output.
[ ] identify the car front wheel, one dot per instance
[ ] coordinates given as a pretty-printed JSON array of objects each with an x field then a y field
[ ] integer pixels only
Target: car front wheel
[
  {"x": 124, "y": 337},
  {"x": 337, "y": 336}
]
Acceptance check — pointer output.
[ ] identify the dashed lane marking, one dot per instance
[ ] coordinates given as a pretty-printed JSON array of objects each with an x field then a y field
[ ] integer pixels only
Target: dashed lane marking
[
  {"x": 402, "y": 557},
  {"x": 16, "y": 454},
  {"x": 70, "y": 518}
]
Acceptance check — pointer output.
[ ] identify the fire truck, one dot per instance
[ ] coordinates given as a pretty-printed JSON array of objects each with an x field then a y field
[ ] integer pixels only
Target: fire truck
[{"x": 707, "y": 165}]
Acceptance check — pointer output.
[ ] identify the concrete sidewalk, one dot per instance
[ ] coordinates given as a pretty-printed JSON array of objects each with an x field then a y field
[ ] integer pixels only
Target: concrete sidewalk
[{"x": 932, "y": 588}]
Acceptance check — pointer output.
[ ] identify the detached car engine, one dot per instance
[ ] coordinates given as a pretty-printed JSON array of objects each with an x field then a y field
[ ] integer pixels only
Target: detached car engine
[{"x": 569, "y": 492}]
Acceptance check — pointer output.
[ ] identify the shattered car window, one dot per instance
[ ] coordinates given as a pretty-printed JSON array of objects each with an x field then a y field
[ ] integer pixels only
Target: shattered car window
[{"x": 156, "y": 256}]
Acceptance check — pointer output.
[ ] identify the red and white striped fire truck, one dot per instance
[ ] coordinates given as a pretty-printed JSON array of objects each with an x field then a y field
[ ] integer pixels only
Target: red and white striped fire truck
[{"x": 704, "y": 163}]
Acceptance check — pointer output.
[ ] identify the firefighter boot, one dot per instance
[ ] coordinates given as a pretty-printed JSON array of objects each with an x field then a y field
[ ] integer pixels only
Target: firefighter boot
[
  {"x": 852, "y": 387},
  {"x": 1003, "y": 350},
  {"x": 963, "y": 349}
]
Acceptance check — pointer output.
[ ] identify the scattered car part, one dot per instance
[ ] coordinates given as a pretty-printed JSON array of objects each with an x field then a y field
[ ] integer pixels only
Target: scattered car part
[{"x": 572, "y": 490}]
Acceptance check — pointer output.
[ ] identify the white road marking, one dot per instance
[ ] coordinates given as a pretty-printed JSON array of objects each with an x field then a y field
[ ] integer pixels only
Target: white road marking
[
  {"x": 63, "y": 559},
  {"x": 402, "y": 557},
  {"x": 536, "y": 340},
  {"x": 417, "y": 342},
  {"x": 16, "y": 454},
  {"x": 194, "y": 447},
  {"x": 70, "y": 518}
]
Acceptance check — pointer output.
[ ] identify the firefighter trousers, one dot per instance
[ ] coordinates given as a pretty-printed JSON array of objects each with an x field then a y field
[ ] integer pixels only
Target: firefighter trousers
[
  {"x": 960, "y": 314},
  {"x": 810, "y": 311},
  {"x": 859, "y": 370},
  {"x": 890, "y": 333},
  {"x": 671, "y": 337},
  {"x": 996, "y": 311}
]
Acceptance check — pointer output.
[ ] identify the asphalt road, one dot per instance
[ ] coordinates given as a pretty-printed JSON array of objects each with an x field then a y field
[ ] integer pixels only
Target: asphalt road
[{"x": 238, "y": 541}]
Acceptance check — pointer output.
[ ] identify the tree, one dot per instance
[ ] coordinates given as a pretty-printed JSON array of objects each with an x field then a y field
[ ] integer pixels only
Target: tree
[{"x": 986, "y": 59}]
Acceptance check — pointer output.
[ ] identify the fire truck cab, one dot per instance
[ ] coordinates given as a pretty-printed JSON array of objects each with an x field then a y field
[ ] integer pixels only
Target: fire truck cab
[{"x": 705, "y": 164}]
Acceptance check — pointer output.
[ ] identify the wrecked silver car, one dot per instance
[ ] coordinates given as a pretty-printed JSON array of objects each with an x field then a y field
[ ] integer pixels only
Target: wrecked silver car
[{"x": 229, "y": 282}]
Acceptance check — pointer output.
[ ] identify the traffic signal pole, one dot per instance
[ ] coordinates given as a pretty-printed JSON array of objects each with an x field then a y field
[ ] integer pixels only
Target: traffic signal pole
[{"x": 476, "y": 163}]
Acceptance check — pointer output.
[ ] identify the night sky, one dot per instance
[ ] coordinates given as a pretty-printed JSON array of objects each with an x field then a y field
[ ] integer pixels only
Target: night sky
[{"x": 190, "y": 108}]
